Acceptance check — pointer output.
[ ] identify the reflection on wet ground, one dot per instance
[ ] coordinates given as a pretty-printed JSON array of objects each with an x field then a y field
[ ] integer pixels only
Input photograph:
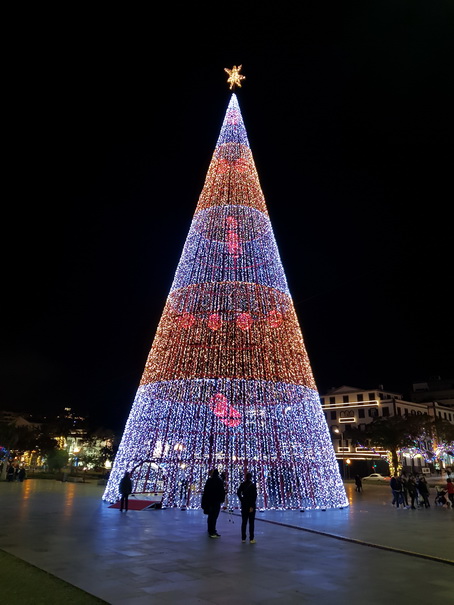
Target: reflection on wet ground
[{"x": 165, "y": 556}]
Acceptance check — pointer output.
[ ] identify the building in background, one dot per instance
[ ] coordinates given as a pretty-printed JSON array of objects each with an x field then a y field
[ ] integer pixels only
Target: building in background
[
  {"x": 434, "y": 390},
  {"x": 349, "y": 407},
  {"x": 26, "y": 439}
]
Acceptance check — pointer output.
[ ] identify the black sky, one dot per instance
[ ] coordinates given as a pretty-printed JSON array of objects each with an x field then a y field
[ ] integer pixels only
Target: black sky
[{"x": 112, "y": 120}]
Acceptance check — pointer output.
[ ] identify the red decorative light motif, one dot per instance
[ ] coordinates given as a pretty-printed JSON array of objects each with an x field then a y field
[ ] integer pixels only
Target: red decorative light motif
[
  {"x": 244, "y": 321},
  {"x": 226, "y": 413},
  {"x": 214, "y": 321},
  {"x": 274, "y": 319},
  {"x": 187, "y": 320},
  {"x": 233, "y": 241},
  {"x": 241, "y": 164},
  {"x": 225, "y": 165}
]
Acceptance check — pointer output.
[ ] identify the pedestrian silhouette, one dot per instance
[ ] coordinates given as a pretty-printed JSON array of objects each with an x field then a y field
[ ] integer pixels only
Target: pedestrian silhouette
[
  {"x": 423, "y": 490},
  {"x": 212, "y": 498},
  {"x": 10, "y": 473},
  {"x": 247, "y": 494},
  {"x": 125, "y": 489},
  {"x": 358, "y": 483}
]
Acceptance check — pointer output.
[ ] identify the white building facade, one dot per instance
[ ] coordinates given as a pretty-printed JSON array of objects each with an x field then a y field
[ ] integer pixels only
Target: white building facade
[{"x": 348, "y": 407}]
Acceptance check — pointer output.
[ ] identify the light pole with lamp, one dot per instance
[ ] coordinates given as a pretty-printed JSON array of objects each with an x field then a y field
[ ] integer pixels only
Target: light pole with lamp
[{"x": 338, "y": 432}]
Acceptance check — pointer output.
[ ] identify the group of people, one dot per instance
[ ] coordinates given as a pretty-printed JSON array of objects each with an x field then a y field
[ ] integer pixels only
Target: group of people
[
  {"x": 212, "y": 498},
  {"x": 15, "y": 473},
  {"x": 214, "y": 495},
  {"x": 412, "y": 491}
]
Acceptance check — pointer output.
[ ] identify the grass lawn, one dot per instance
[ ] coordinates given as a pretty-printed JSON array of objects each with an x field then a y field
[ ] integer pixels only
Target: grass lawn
[{"x": 25, "y": 584}]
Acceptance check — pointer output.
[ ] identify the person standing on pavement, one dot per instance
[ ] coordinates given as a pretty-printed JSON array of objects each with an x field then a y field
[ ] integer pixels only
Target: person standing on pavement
[
  {"x": 212, "y": 498},
  {"x": 404, "y": 483},
  {"x": 413, "y": 491},
  {"x": 247, "y": 494},
  {"x": 10, "y": 473},
  {"x": 125, "y": 489},
  {"x": 359, "y": 484},
  {"x": 396, "y": 487},
  {"x": 423, "y": 490},
  {"x": 450, "y": 489}
]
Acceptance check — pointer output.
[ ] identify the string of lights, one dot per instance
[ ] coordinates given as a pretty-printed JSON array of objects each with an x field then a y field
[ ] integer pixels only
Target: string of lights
[{"x": 227, "y": 382}]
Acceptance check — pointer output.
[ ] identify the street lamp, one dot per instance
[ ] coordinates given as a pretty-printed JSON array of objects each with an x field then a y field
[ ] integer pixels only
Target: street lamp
[{"x": 342, "y": 450}]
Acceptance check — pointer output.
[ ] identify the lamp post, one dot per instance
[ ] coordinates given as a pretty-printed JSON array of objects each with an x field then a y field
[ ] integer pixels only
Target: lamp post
[{"x": 342, "y": 450}]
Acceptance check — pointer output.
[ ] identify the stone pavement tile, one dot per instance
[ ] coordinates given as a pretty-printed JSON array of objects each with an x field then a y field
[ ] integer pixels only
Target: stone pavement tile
[{"x": 160, "y": 556}]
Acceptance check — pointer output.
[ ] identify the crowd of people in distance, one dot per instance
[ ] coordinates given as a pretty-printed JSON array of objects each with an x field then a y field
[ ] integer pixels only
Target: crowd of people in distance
[
  {"x": 13, "y": 472},
  {"x": 412, "y": 491}
]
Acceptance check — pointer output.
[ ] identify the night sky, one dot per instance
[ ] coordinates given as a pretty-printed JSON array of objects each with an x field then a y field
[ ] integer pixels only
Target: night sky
[{"x": 112, "y": 120}]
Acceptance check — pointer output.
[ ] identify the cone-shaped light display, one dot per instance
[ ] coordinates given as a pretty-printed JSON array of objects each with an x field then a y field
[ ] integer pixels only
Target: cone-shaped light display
[{"x": 227, "y": 382}]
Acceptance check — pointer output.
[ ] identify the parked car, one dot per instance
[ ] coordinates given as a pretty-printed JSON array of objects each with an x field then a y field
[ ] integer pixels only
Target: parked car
[{"x": 377, "y": 478}]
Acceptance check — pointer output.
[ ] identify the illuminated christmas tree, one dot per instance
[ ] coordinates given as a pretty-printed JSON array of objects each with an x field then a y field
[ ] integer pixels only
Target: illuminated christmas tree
[{"x": 228, "y": 383}]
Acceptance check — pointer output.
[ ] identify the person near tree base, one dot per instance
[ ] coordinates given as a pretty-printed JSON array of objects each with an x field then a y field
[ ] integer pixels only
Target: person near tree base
[
  {"x": 125, "y": 489},
  {"x": 212, "y": 498},
  {"x": 247, "y": 494}
]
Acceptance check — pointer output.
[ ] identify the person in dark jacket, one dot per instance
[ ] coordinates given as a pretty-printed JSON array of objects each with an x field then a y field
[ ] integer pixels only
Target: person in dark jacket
[
  {"x": 423, "y": 490},
  {"x": 413, "y": 491},
  {"x": 396, "y": 488},
  {"x": 358, "y": 483},
  {"x": 247, "y": 494},
  {"x": 404, "y": 482},
  {"x": 212, "y": 498},
  {"x": 125, "y": 489},
  {"x": 10, "y": 473}
]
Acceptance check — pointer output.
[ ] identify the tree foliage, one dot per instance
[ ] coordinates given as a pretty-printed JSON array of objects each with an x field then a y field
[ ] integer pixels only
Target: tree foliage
[
  {"x": 57, "y": 459},
  {"x": 393, "y": 433},
  {"x": 444, "y": 432},
  {"x": 8, "y": 435}
]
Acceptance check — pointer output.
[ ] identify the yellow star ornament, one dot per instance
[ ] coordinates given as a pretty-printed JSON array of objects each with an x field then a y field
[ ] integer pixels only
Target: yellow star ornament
[{"x": 235, "y": 77}]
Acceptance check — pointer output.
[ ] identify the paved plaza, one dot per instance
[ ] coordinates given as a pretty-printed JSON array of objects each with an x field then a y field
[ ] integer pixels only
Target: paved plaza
[{"x": 369, "y": 552}]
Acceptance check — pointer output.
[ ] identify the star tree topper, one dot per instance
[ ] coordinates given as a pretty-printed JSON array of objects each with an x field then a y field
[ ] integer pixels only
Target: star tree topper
[{"x": 235, "y": 77}]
